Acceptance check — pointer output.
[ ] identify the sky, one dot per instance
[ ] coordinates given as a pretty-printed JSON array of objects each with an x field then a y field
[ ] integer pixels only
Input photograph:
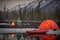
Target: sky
[{"x": 11, "y": 3}]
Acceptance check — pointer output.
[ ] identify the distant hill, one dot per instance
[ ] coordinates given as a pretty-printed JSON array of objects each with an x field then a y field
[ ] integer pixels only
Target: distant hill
[
  {"x": 37, "y": 10},
  {"x": 29, "y": 6}
]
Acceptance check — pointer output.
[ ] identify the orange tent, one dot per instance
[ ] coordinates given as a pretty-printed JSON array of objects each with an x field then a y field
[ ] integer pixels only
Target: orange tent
[
  {"x": 44, "y": 27},
  {"x": 48, "y": 25}
]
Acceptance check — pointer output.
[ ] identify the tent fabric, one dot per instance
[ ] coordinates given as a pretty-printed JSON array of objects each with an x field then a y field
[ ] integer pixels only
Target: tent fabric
[
  {"x": 48, "y": 25},
  {"x": 43, "y": 27}
]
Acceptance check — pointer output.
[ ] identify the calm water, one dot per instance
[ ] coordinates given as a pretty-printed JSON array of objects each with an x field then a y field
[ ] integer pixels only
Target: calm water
[{"x": 20, "y": 37}]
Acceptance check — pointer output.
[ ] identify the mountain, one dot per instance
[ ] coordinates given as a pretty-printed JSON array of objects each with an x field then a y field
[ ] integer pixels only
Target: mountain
[
  {"x": 29, "y": 6},
  {"x": 17, "y": 7},
  {"x": 52, "y": 6},
  {"x": 49, "y": 5}
]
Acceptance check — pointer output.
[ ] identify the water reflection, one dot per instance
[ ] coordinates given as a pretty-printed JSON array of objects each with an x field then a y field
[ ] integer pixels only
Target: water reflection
[{"x": 25, "y": 37}]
